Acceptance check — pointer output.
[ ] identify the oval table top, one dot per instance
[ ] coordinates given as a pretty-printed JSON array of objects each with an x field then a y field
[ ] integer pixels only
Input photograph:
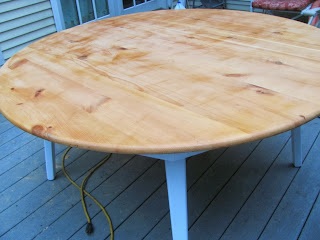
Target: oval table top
[{"x": 166, "y": 81}]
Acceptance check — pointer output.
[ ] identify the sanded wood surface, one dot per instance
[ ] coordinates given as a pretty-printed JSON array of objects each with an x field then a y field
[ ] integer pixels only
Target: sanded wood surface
[{"x": 166, "y": 81}]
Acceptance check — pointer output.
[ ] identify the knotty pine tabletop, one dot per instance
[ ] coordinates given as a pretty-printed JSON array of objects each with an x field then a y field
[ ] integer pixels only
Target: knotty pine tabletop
[{"x": 166, "y": 81}]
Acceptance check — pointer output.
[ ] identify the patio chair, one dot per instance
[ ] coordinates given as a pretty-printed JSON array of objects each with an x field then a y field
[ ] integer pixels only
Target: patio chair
[
  {"x": 313, "y": 12},
  {"x": 290, "y": 6}
]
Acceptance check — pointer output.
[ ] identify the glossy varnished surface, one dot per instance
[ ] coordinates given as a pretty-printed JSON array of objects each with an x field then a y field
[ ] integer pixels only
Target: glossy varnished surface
[{"x": 166, "y": 81}]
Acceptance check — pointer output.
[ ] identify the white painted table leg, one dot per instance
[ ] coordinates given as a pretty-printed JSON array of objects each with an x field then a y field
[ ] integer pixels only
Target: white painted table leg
[
  {"x": 49, "y": 151},
  {"x": 177, "y": 193},
  {"x": 296, "y": 147}
]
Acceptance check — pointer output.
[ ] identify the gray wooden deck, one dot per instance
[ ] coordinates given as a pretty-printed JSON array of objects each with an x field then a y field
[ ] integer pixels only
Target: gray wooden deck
[{"x": 251, "y": 191}]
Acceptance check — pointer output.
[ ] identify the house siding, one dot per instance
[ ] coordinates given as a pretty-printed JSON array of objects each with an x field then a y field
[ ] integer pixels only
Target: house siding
[
  {"x": 23, "y": 22},
  {"x": 243, "y": 5}
]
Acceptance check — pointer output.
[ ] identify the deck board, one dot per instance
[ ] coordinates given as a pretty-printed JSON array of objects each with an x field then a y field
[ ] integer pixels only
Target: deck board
[
  {"x": 239, "y": 192},
  {"x": 26, "y": 183},
  {"x": 311, "y": 230},
  {"x": 294, "y": 207},
  {"x": 9, "y": 134},
  {"x": 5, "y": 125},
  {"x": 14, "y": 146},
  {"x": 22, "y": 169},
  {"x": 254, "y": 214},
  {"x": 16, "y": 157},
  {"x": 222, "y": 210}
]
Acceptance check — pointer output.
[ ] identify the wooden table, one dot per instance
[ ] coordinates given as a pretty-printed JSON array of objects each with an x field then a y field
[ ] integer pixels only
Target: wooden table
[{"x": 166, "y": 84}]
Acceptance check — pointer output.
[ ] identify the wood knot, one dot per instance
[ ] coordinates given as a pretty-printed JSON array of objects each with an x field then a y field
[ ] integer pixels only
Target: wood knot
[
  {"x": 278, "y": 63},
  {"x": 83, "y": 57},
  {"x": 120, "y": 48},
  {"x": 279, "y": 33},
  {"x": 12, "y": 89},
  {"x": 90, "y": 108},
  {"x": 261, "y": 92},
  {"x": 17, "y": 63},
  {"x": 38, "y": 92},
  {"x": 304, "y": 118},
  {"x": 235, "y": 75},
  {"x": 39, "y": 131}
]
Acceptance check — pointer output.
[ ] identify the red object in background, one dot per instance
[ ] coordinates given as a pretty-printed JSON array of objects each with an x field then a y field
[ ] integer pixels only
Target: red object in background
[{"x": 282, "y": 5}]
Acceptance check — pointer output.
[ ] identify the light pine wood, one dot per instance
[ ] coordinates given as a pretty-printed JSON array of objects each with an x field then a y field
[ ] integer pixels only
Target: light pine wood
[{"x": 166, "y": 81}]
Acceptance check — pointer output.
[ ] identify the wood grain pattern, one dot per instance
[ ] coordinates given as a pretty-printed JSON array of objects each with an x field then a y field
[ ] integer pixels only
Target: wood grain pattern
[{"x": 166, "y": 81}]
